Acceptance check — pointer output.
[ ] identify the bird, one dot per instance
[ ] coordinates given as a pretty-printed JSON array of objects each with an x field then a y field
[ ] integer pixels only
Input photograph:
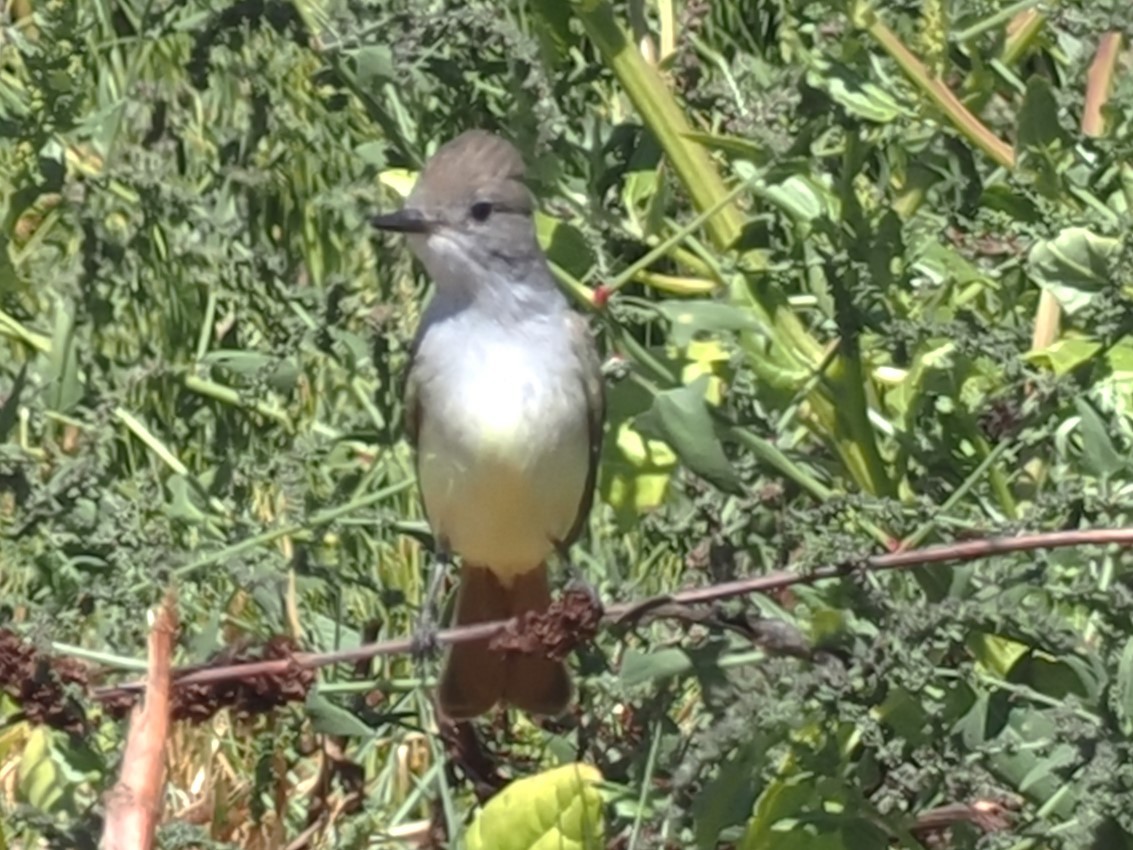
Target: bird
[{"x": 505, "y": 408}]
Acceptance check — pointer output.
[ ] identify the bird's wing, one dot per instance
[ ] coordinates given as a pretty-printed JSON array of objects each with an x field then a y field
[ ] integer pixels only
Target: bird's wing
[
  {"x": 594, "y": 391},
  {"x": 412, "y": 394}
]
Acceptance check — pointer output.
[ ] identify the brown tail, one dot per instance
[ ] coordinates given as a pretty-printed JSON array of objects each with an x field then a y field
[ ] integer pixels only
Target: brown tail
[{"x": 474, "y": 678}]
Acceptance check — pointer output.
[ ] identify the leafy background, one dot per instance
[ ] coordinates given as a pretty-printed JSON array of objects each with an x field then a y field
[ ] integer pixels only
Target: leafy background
[{"x": 864, "y": 279}]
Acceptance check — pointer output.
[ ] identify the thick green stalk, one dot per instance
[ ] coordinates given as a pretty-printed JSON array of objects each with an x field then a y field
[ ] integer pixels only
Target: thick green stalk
[
  {"x": 663, "y": 116},
  {"x": 847, "y": 425},
  {"x": 695, "y": 169}
]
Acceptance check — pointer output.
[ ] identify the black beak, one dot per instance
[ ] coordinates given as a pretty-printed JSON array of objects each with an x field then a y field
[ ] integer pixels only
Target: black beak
[{"x": 405, "y": 220}]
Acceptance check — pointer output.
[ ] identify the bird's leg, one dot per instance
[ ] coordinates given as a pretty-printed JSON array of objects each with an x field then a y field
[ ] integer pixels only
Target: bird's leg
[{"x": 424, "y": 637}]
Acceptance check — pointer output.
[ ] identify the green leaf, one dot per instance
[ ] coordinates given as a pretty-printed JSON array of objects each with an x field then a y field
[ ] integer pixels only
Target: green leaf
[
  {"x": 558, "y": 809},
  {"x": 1098, "y": 451},
  {"x": 372, "y": 153},
  {"x": 681, "y": 418},
  {"x": 1063, "y": 755},
  {"x": 9, "y": 410},
  {"x": 40, "y": 778},
  {"x": 1065, "y": 355},
  {"x": 728, "y": 798},
  {"x": 688, "y": 318},
  {"x": 564, "y": 245},
  {"x": 374, "y": 66},
  {"x": 1038, "y": 126},
  {"x": 1074, "y": 266},
  {"x": 552, "y": 27},
  {"x": 800, "y": 197},
  {"x": 1123, "y": 692},
  {"x": 281, "y": 374},
  {"x": 63, "y": 364},
  {"x": 1028, "y": 732},
  {"x": 331, "y": 632},
  {"x": 781, "y": 800},
  {"x": 328, "y": 719},
  {"x": 640, "y": 667},
  {"x": 1043, "y": 146},
  {"x": 742, "y": 148},
  {"x": 854, "y": 92},
  {"x": 185, "y": 500}
]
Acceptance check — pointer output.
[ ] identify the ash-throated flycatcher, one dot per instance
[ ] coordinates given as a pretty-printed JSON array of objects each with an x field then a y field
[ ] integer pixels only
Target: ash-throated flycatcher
[{"x": 504, "y": 403}]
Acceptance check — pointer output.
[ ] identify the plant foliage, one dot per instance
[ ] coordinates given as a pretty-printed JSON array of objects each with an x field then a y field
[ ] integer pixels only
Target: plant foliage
[{"x": 864, "y": 273}]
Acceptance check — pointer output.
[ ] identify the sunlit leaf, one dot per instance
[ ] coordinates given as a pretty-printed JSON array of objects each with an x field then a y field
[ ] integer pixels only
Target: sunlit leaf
[
  {"x": 680, "y": 416},
  {"x": 559, "y": 809},
  {"x": 1075, "y": 266}
]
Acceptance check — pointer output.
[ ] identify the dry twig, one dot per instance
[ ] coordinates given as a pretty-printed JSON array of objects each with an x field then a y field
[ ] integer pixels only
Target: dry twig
[{"x": 134, "y": 804}]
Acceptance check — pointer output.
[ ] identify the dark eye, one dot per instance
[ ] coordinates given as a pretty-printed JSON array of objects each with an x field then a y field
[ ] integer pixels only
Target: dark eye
[{"x": 480, "y": 210}]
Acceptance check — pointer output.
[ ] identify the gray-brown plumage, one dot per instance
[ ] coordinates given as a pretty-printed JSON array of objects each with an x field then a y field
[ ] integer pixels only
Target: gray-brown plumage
[{"x": 505, "y": 406}]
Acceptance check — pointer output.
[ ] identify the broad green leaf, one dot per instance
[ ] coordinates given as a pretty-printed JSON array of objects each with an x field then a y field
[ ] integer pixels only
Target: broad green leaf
[
  {"x": 41, "y": 781},
  {"x": 63, "y": 361},
  {"x": 782, "y": 800},
  {"x": 706, "y": 358},
  {"x": 1027, "y": 734},
  {"x": 689, "y": 318},
  {"x": 999, "y": 654},
  {"x": 854, "y": 92},
  {"x": 1065, "y": 355},
  {"x": 1038, "y": 125},
  {"x": 640, "y": 667},
  {"x": 905, "y": 714},
  {"x": 281, "y": 374},
  {"x": 972, "y": 727},
  {"x": 1063, "y": 755},
  {"x": 800, "y": 197},
  {"x": 681, "y": 418},
  {"x": 942, "y": 264},
  {"x": 372, "y": 153},
  {"x": 329, "y": 719},
  {"x": 1098, "y": 451},
  {"x": 559, "y": 809},
  {"x": 1042, "y": 144},
  {"x": 552, "y": 26},
  {"x": 329, "y": 633},
  {"x": 728, "y": 798},
  {"x": 1074, "y": 266},
  {"x": 565, "y": 245},
  {"x": 635, "y": 469}
]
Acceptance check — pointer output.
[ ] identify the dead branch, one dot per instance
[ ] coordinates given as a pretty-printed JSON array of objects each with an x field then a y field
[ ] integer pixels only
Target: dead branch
[{"x": 134, "y": 804}]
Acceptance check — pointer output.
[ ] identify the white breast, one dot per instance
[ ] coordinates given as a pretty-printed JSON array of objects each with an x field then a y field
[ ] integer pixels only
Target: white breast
[{"x": 503, "y": 446}]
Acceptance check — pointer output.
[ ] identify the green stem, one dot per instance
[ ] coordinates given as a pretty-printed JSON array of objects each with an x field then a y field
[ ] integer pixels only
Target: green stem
[
  {"x": 663, "y": 116},
  {"x": 994, "y": 20},
  {"x": 941, "y": 96}
]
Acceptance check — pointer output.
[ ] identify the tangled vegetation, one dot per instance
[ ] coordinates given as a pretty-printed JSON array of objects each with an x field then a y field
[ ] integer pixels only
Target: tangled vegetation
[{"x": 862, "y": 274}]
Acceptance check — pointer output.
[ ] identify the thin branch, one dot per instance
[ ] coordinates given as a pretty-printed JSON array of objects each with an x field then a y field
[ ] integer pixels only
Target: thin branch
[{"x": 621, "y": 613}]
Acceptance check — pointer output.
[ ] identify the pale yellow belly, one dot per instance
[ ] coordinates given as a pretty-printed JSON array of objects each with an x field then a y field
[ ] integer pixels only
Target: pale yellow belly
[{"x": 502, "y": 473}]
